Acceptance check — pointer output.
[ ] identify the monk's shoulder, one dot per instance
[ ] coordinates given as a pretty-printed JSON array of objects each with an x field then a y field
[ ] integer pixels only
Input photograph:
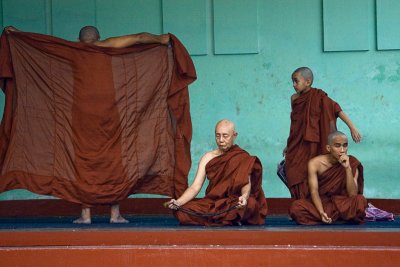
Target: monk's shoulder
[
  {"x": 354, "y": 161},
  {"x": 209, "y": 156},
  {"x": 319, "y": 163},
  {"x": 294, "y": 97}
]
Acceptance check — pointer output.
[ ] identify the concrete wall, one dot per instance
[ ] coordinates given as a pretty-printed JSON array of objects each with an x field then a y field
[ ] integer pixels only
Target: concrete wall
[{"x": 245, "y": 51}]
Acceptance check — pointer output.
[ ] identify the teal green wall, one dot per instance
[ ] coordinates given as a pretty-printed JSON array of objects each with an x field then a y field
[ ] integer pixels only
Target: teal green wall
[{"x": 251, "y": 85}]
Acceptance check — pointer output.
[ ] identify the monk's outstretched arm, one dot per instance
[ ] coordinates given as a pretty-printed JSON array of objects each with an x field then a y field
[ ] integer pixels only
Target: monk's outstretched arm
[
  {"x": 195, "y": 187},
  {"x": 313, "y": 185},
  {"x": 132, "y": 39},
  {"x": 355, "y": 134}
]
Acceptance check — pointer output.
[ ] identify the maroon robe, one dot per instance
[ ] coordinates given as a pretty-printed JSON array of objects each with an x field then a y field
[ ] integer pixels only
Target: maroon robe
[
  {"x": 335, "y": 200},
  {"x": 313, "y": 118},
  {"x": 227, "y": 174},
  {"x": 91, "y": 124}
]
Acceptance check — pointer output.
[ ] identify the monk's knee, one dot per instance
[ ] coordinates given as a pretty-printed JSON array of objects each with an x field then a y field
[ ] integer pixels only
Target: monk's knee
[
  {"x": 296, "y": 210},
  {"x": 361, "y": 206}
]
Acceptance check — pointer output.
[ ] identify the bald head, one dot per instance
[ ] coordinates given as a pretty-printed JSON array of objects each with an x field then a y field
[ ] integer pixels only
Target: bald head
[
  {"x": 306, "y": 73},
  {"x": 227, "y": 124},
  {"x": 89, "y": 34},
  {"x": 333, "y": 135}
]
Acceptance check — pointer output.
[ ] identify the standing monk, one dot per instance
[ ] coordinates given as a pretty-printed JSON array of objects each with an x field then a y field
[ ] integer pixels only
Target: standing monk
[
  {"x": 313, "y": 117},
  {"x": 234, "y": 195},
  {"x": 336, "y": 185},
  {"x": 90, "y": 35}
]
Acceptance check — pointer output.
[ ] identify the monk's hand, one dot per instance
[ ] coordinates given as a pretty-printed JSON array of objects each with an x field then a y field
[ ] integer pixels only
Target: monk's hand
[
  {"x": 355, "y": 134},
  {"x": 9, "y": 29},
  {"x": 173, "y": 204},
  {"x": 344, "y": 160},
  {"x": 165, "y": 40},
  {"x": 325, "y": 218},
  {"x": 242, "y": 202},
  {"x": 284, "y": 151}
]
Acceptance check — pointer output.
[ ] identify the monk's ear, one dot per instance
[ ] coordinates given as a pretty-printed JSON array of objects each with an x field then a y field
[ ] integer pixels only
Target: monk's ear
[{"x": 328, "y": 148}]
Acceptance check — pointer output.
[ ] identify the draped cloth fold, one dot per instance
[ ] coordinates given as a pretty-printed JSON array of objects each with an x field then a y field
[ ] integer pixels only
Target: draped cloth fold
[
  {"x": 313, "y": 117},
  {"x": 227, "y": 174},
  {"x": 91, "y": 124}
]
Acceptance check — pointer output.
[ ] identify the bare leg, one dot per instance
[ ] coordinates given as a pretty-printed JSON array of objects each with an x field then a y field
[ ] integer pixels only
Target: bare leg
[
  {"x": 85, "y": 217},
  {"x": 116, "y": 215}
]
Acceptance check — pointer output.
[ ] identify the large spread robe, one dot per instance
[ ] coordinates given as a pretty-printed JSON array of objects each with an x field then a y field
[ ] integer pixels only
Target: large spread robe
[
  {"x": 227, "y": 174},
  {"x": 335, "y": 200},
  {"x": 313, "y": 117},
  {"x": 90, "y": 124}
]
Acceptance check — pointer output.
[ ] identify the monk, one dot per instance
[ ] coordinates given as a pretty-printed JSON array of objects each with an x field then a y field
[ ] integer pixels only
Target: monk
[
  {"x": 234, "y": 195},
  {"x": 90, "y": 35},
  {"x": 313, "y": 117},
  {"x": 336, "y": 185}
]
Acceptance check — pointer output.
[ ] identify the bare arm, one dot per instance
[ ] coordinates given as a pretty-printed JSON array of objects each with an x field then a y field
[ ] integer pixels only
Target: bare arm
[
  {"x": 354, "y": 132},
  {"x": 245, "y": 194},
  {"x": 132, "y": 39},
  {"x": 351, "y": 182},
  {"x": 196, "y": 186},
  {"x": 313, "y": 185}
]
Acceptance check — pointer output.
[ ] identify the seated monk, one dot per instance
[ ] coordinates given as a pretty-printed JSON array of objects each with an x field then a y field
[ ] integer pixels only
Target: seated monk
[
  {"x": 336, "y": 185},
  {"x": 234, "y": 195}
]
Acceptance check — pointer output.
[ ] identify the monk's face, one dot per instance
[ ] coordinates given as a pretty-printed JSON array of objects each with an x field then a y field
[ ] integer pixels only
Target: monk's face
[
  {"x": 225, "y": 136},
  {"x": 338, "y": 147},
  {"x": 300, "y": 84}
]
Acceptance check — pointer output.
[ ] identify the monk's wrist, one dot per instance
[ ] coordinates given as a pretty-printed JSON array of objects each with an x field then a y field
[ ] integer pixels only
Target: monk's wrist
[{"x": 246, "y": 196}]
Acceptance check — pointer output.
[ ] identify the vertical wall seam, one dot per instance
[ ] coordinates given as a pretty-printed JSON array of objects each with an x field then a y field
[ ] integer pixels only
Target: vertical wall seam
[
  {"x": 49, "y": 17},
  {"x": 1, "y": 14},
  {"x": 95, "y": 12}
]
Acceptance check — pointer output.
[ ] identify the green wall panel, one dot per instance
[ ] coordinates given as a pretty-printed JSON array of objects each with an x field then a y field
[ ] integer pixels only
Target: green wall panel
[
  {"x": 26, "y": 15},
  {"x": 187, "y": 20},
  {"x": 388, "y": 21},
  {"x": 128, "y": 16},
  {"x": 235, "y": 27},
  {"x": 346, "y": 25},
  {"x": 69, "y": 16}
]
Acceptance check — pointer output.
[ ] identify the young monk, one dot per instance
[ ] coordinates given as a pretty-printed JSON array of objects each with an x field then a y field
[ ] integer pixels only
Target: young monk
[
  {"x": 235, "y": 179},
  {"x": 313, "y": 117},
  {"x": 336, "y": 185}
]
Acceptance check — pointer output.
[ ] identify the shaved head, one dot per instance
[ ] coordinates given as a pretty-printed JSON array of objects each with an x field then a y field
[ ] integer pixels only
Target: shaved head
[
  {"x": 333, "y": 135},
  {"x": 89, "y": 34},
  {"x": 226, "y": 123},
  {"x": 306, "y": 73}
]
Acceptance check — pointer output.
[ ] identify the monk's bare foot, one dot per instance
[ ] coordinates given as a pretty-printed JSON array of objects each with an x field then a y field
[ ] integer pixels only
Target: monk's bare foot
[
  {"x": 81, "y": 220},
  {"x": 118, "y": 219},
  {"x": 85, "y": 217}
]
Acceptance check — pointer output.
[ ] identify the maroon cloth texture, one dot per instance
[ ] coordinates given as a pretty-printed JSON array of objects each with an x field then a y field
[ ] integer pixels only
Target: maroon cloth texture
[
  {"x": 335, "y": 200},
  {"x": 90, "y": 124},
  {"x": 313, "y": 117},
  {"x": 227, "y": 174}
]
